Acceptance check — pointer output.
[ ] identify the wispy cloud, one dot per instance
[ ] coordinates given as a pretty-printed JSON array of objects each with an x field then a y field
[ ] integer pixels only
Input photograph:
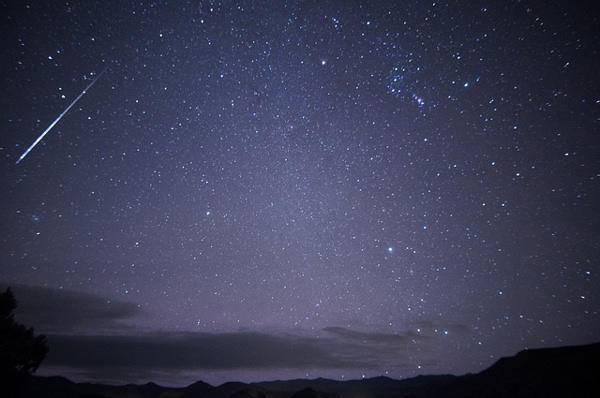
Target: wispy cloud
[
  {"x": 165, "y": 350},
  {"x": 388, "y": 339},
  {"x": 52, "y": 310},
  {"x": 93, "y": 337}
]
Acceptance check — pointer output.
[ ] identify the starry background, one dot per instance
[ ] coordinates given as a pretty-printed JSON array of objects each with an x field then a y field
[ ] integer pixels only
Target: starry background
[{"x": 412, "y": 183}]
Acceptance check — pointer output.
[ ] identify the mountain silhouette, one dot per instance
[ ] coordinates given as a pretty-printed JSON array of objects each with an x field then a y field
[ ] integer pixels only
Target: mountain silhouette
[{"x": 548, "y": 372}]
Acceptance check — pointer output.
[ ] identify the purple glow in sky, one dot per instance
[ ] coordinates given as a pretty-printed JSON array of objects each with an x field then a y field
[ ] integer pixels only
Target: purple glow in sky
[{"x": 259, "y": 190}]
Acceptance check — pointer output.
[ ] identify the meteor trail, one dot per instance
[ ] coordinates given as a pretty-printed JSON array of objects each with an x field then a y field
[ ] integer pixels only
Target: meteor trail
[{"x": 59, "y": 117}]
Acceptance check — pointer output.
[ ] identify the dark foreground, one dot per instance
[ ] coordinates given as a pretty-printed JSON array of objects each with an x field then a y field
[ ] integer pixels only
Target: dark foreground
[{"x": 549, "y": 372}]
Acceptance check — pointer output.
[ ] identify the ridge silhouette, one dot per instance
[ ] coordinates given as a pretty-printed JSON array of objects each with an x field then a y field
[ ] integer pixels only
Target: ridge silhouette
[{"x": 546, "y": 372}]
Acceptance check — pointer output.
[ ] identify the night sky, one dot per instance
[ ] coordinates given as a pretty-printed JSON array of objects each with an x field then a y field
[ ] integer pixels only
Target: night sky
[{"x": 260, "y": 190}]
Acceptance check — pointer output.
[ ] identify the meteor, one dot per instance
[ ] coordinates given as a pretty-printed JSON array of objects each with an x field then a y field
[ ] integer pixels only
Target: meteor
[{"x": 59, "y": 117}]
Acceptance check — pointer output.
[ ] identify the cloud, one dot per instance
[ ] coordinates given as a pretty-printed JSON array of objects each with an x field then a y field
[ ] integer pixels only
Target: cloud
[
  {"x": 179, "y": 352},
  {"x": 378, "y": 349},
  {"x": 182, "y": 351},
  {"x": 387, "y": 339},
  {"x": 51, "y": 310},
  {"x": 93, "y": 338}
]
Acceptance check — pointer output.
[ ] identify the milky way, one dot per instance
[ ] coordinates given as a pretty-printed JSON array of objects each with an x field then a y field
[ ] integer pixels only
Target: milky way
[{"x": 356, "y": 189}]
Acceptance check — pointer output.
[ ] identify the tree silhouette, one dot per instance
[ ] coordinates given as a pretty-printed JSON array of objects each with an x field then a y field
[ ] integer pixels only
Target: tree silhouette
[{"x": 20, "y": 351}]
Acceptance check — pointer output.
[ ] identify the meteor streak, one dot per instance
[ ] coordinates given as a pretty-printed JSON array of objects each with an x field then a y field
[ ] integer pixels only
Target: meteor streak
[{"x": 59, "y": 117}]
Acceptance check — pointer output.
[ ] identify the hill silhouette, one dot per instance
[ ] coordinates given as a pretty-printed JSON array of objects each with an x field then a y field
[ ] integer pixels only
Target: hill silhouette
[{"x": 548, "y": 372}]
